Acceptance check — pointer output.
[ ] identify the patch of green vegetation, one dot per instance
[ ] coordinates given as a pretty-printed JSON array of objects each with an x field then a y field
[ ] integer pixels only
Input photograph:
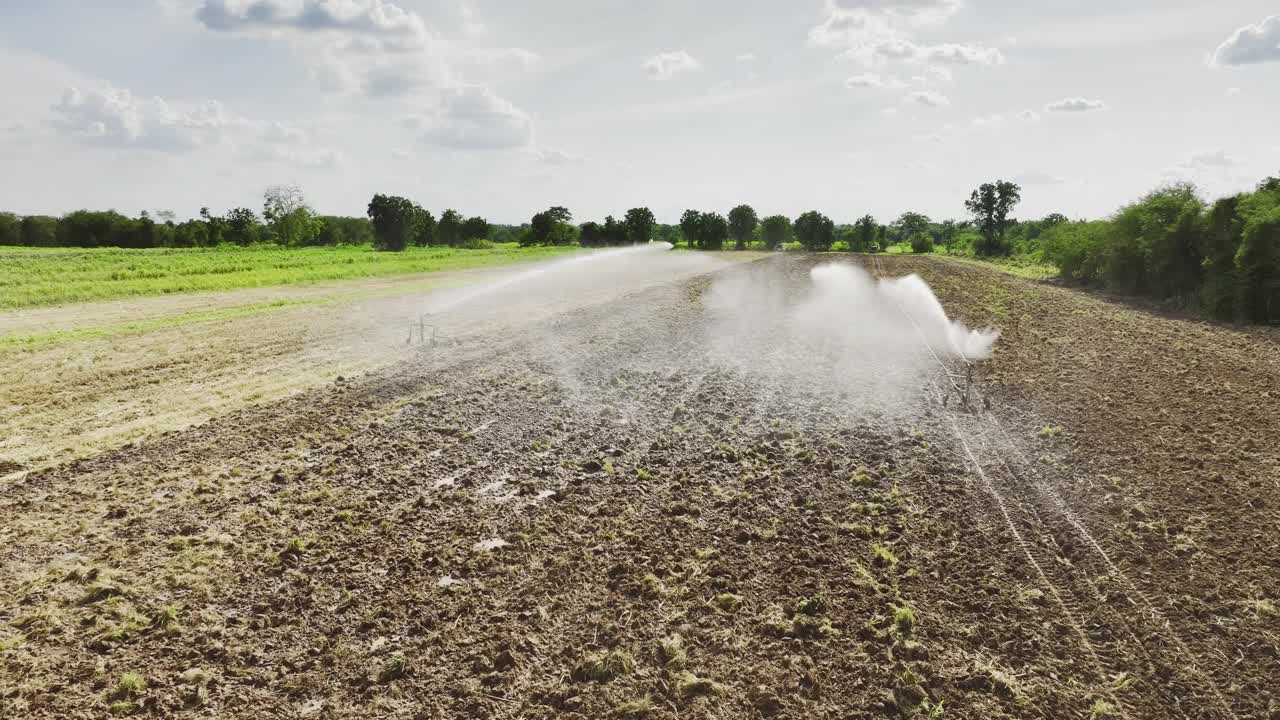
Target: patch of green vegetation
[
  {"x": 882, "y": 556},
  {"x": 395, "y": 667},
  {"x": 1103, "y": 710},
  {"x": 603, "y": 667},
  {"x": 727, "y": 602},
  {"x": 1025, "y": 267},
  {"x": 1049, "y": 432},
  {"x": 637, "y": 708},
  {"x": 295, "y": 547},
  {"x": 1262, "y": 607},
  {"x": 52, "y": 276},
  {"x": 38, "y": 623},
  {"x": 130, "y": 686},
  {"x": 689, "y": 686},
  {"x": 862, "y": 477},
  {"x": 671, "y": 652},
  {"x": 41, "y": 341},
  {"x": 904, "y": 618}
]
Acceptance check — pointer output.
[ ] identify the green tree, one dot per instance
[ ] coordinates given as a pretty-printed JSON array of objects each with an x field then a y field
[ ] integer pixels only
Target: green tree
[
  {"x": 241, "y": 227},
  {"x": 742, "y": 224},
  {"x": 1258, "y": 259},
  {"x": 640, "y": 224},
  {"x": 39, "y": 231},
  {"x": 475, "y": 233},
  {"x": 1154, "y": 243},
  {"x": 866, "y": 234},
  {"x": 914, "y": 228},
  {"x": 689, "y": 221},
  {"x": 345, "y": 231},
  {"x": 591, "y": 234},
  {"x": 615, "y": 233},
  {"x": 551, "y": 227},
  {"x": 449, "y": 230},
  {"x": 213, "y": 226},
  {"x": 990, "y": 205},
  {"x": 815, "y": 231},
  {"x": 424, "y": 227},
  {"x": 192, "y": 233},
  {"x": 713, "y": 230},
  {"x": 10, "y": 229},
  {"x": 1078, "y": 250},
  {"x": 289, "y": 219},
  {"x": 947, "y": 232},
  {"x": 775, "y": 231},
  {"x": 393, "y": 221}
]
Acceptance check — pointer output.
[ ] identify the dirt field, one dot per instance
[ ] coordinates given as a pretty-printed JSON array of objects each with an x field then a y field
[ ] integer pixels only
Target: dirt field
[{"x": 588, "y": 515}]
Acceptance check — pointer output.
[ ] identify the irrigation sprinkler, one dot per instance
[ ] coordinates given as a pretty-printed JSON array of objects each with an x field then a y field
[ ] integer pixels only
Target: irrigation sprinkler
[
  {"x": 421, "y": 329},
  {"x": 963, "y": 387}
]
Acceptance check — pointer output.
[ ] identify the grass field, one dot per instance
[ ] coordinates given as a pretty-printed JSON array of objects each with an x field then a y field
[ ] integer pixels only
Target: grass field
[{"x": 51, "y": 276}]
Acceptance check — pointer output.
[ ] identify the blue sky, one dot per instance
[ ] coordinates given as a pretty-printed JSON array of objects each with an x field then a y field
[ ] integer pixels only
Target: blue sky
[{"x": 502, "y": 108}]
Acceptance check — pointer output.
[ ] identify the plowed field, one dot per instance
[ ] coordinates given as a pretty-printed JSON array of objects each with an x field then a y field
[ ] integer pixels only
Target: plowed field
[{"x": 592, "y": 515}]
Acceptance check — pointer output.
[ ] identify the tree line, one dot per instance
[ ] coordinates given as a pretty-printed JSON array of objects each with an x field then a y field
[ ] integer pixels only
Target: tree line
[
  {"x": 1170, "y": 245},
  {"x": 1223, "y": 258}
]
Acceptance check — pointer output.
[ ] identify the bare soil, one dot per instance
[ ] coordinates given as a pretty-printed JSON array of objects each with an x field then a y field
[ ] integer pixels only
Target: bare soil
[{"x": 590, "y": 518}]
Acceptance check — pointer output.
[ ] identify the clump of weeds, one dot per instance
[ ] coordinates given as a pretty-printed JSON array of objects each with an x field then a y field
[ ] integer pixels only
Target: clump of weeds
[
  {"x": 671, "y": 652},
  {"x": 637, "y": 708},
  {"x": 882, "y": 556},
  {"x": 396, "y": 667},
  {"x": 603, "y": 667},
  {"x": 690, "y": 686},
  {"x": 727, "y": 602}
]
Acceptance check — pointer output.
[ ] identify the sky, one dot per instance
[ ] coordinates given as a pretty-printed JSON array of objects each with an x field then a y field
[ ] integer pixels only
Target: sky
[{"x": 502, "y": 108}]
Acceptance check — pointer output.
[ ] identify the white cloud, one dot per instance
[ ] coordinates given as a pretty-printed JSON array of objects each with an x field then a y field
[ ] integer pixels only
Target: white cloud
[
  {"x": 1036, "y": 177},
  {"x": 929, "y": 138},
  {"x": 1251, "y": 44},
  {"x": 1233, "y": 91},
  {"x": 115, "y": 117},
  {"x": 746, "y": 57},
  {"x": 390, "y": 25},
  {"x": 938, "y": 74},
  {"x": 989, "y": 121},
  {"x": 872, "y": 32},
  {"x": 1215, "y": 158},
  {"x": 472, "y": 117},
  {"x": 928, "y": 98},
  {"x": 374, "y": 47},
  {"x": 1075, "y": 105},
  {"x": 298, "y": 157},
  {"x": 954, "y": 54},
  {"x": 874, "y": 80},
  {"x": 509, "y": 59},
  {"x": 852, "y": 29},
  {"x": 664, "y": 65},
  {"x": 914, "y": 9},
  {"x": 278, "y": 132},
  {"x": 400, "y": 153},
  {"x": 1029, "y": 115},
  {"x": 920, "y": 165},
  {"x": 889, "y": 112},
  {"x": 554, "y": 156},
  {"x": 878, "y": 51}
]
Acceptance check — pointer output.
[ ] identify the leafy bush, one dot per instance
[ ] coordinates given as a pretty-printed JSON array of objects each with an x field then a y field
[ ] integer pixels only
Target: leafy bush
[
  {"x": 1076, "y": 249},
  {"x": 922, "y": 243},
  {"x": 477, "y": 244}
]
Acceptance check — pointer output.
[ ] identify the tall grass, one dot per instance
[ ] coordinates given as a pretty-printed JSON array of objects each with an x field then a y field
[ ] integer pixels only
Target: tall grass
[{"x": 53, "y": 276}]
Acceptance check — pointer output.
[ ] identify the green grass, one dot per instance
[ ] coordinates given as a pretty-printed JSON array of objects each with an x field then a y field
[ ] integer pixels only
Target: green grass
[
  {"x": 1021, "y": 266},
  {"x": 53, "y": 276}
]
